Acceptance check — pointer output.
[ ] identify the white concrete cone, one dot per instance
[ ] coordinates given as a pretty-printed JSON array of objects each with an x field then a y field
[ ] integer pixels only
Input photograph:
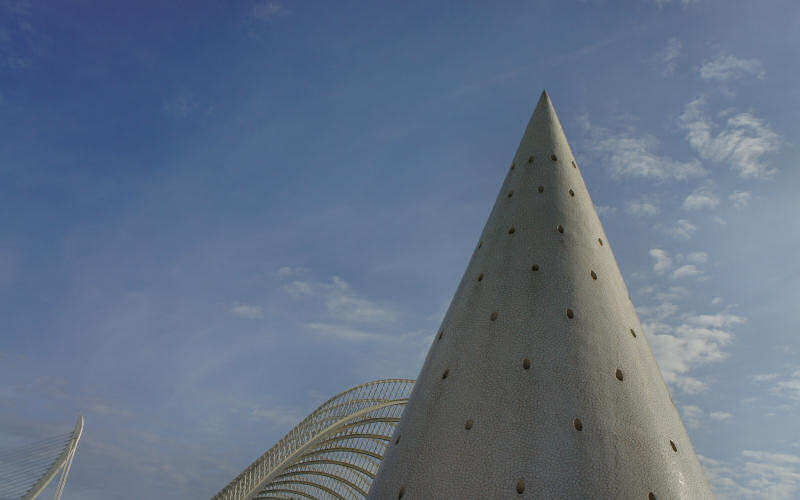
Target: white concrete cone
[{"x": 540, "y": 383}]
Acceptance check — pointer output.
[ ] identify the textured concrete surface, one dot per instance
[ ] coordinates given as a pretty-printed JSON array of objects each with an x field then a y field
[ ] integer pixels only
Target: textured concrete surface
[{"x": 540, "y": 383}]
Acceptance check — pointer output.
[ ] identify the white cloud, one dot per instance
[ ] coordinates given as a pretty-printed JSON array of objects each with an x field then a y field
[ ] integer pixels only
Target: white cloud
[
  {"x": 765, "y": 377},
  {"x": 754, "y": 475},
  {"x": 267, "y": 10},
  {"x": 668, "y": 57},
  {"x": 727, "y": 67},
  {"x": 181, "y": 105},
  {"x": 683, "y": 229},
  {"x": 246, "y": 311},
  {"x": 715, "y": 320},
  {"x": 683, "y": 347},
  {"x": 340, "y": 301},
  {"x": 626, "y": 155},
  {"x": 692, "y": 416},
  {"x": 642, "y": 208},
  {"x": 686, "y": 271},
  {"x": 697, "y": 257},
  {"x": 740, "y": 199},
  {"x": 716, "y": 301},
  {"x": 720, "y": 416},
  {"x": 742, "y": 142},
  {"x": 604, "y": 210},
  {"x": 663, "y": 262},
  {"x": 345, "y": 332},
  {"x": 699, "y": 199},
  {"x": 659, "y": 312},
  {"x": 276, "y": 416}
]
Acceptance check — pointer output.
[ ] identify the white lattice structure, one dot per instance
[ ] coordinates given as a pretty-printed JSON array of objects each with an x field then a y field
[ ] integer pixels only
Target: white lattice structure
[
  {"x": 26, "y": 471},
  {"x": 333, "y": 453}
]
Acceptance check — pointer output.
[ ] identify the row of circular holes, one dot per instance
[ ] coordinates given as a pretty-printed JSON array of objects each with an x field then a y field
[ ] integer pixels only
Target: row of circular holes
[
  {"x": 552, "y": 157},
  {"x": 559, "y": 228},
  {"x": 541, "y": 190},
  {"x": 520, "y": 490}
]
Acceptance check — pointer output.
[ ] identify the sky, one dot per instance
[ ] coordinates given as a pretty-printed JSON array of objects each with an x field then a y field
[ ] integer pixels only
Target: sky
[{"x": 216, "y": 215}]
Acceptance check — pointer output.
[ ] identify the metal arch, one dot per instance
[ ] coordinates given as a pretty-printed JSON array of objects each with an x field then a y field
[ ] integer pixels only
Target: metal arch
[
  {"x": 293, "y": 492},
  {"x": 313, "y": 472},
  {"x": 343, "y": 442},
  {"x": 311, "y": 484}
]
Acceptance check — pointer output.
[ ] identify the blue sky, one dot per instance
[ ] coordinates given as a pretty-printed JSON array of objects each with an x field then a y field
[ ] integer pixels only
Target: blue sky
[{"x": 216, "y": 215}]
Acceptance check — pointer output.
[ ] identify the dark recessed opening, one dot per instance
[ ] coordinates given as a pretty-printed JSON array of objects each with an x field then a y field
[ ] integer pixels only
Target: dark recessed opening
[
  {"x": 511, "y": 193},
  {"x": 441, "y": 332},
  {"x": 560, "y": 228},
  {"x": 553, "y": 157},
  {"x": 599, "y": 240},
  {"x": 633, "y": 333},
  {"x": 571, "y": 192},
  {"x": 401, "y": 492},
  {"x": 512, "y": 166},
  {"x": 480, "y": 277},
  {"x": 535, "y": 267},
  {"x": 578, "y": 424},
  {"x": 521, "y": 486},
  {"x": 593, "y": 275},
  {"x": 541, "y": 189},
  {"x": 573, "y": 165},
  {"x": 651, "y": 496},
  {"x": 397, "y": 441},
  {"x": 570, "y": 314},
  {"x": 493, "y": 316},
  {"x": 526, "y": 363},
  {"x": 530, "y": 159},
  {"x": 480, "y": 244},
  {"x": 468, "y": 424},
  {"x": 511, "y": 230},
  {"x": 672, "y": 444},
  {"x": 446, "y": 372},
  {"x": 619, "y": 374}
]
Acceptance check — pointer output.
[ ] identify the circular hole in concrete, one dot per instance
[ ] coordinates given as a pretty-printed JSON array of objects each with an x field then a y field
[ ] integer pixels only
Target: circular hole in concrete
[
  {"x": 493, "y": 316},
  {"x": 397, "y": 441},
  {"x": 401, "y": 492},
  {"x": 571, "y": 192},
  {"x": 651, "y": 496},
  {"x": 468, "y": 424},
  {"x": 441, "y": 332},
  {"x": 541, "y": 189},
  {"x": 446, "y": 372},
  {"x": 526, "y": 363},
  {"x": 553, "y": 157},
  {"x": 573, "y": 164},
  {"x": 511, "y": 230},
  {"x": 512, "y": 166},
  {"x": 570, "y": 314},
  {"x": 633, "y": 333},
  {"x": 535, "y": 267},
  {"x": 560, "y": 228},
  {"x": 530, "y": 159},
  {"x": 511, "y": 193},
  {"x": 672, "y": 445},
  {"x": 600, "y": 240},
  {"x": 521, "y": 486},
  {"x": 578, "y": 424},
  {"x": 619, "y": 374},
  {"x": 593, "y": 275},
  {"x": 480, "y": 244},
  {"x": 480, "y": 277}
]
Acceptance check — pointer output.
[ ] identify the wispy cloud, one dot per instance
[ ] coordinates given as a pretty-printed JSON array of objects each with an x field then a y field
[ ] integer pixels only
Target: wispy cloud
[
  {"x": 180, "y": 105},
  {"x": 626, "y": 154},
  {"x": 740, "y": 199},
  {"x": 754, "y": 475},
  {"x": 344, "y": 332},
  {"x": 267, "y": 10},
  {"x": 683, "y": 229},
  {"x": 642, "y": 208},
  {"x": 277, "y": 416},
  {"x": 247, "y": 311},
  {"x": 699, "y": 199},
  {"x": 742, "y": 141},
  {"x": 605, "y": 210},
  {"x": 668, "y": 57},
  {"x": 686, "y": 271},
  {"x": 782, "y": 385},
  {"x": 692, "y": 416},
  {"x": 341, "y": 301},
  {"x": 662, "y": 260},
  {"x": 727, "y": 67}
]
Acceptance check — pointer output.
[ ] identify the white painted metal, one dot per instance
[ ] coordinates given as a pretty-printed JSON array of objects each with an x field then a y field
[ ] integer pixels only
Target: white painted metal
[
  {"x": 333, "y": 453},
  {"x": 62, "y": 464},
  {"x": 540, "y": 383}
]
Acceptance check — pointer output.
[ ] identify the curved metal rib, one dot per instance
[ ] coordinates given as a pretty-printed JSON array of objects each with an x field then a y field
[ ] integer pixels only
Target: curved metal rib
[{"x": 341, "y": 444}]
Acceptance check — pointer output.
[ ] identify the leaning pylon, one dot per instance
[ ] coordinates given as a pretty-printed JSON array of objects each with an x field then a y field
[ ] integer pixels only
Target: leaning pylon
[{"x": 540, "y": 383}]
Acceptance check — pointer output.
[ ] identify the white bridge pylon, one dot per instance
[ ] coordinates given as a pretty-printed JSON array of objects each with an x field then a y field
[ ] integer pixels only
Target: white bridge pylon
[{"x": 335, "y": 452}]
